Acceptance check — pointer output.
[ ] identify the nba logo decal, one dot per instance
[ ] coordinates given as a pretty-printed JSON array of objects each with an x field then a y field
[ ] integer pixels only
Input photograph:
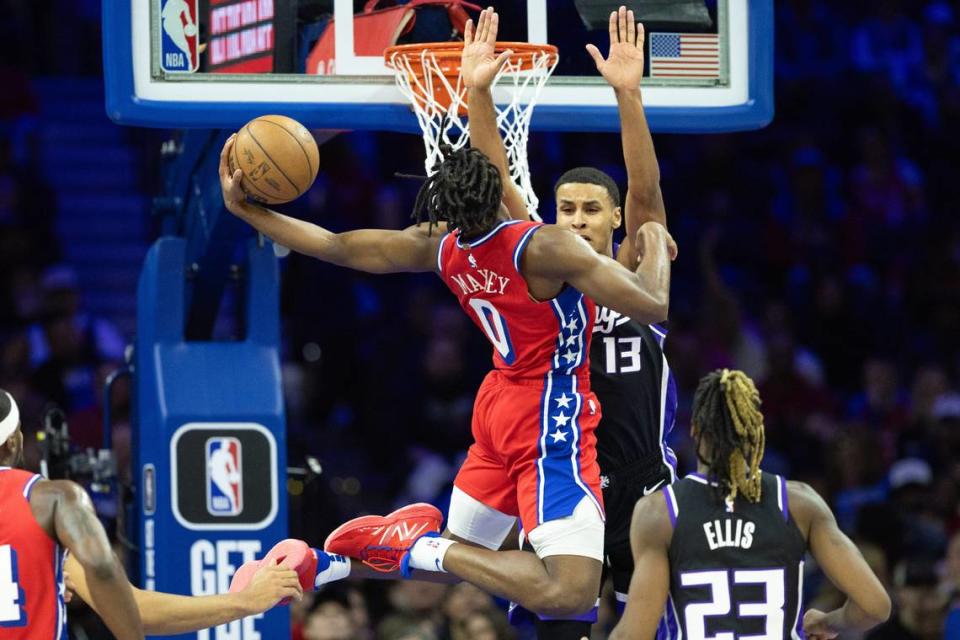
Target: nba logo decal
[
  {"x": 180, "y": 36},
  {"x": 224, "y": 476}
]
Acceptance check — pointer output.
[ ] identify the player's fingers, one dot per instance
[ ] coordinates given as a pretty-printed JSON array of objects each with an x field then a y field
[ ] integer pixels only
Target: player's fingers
[
  {"x": 483, "y": 25},
  {"x": 491, "y": 12},
  {"x": 596, "y": 55},
  {"x": 295, "y": 593},
  {"x": 503, "y": 57},
  {"x": 622, "y": 24},
  {"x": 494, "y": 27},
  {"x": 296, "y": 586},
  {"x": 224, "y": 155},
  {"x": 478, "y": 30},
  {"x": 468, "y": 32},
  {"x": 286, "y": 574},
  {"x": 641, "y": 35},
  {"x": 612, "y": 28},
  {"x": 237, "y": 176},
  {"x": 631, "y": 28}
]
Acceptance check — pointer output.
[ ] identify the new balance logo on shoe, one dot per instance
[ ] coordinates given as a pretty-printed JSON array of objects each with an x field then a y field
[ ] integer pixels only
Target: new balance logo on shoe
[{"x": 400, "y": 531}]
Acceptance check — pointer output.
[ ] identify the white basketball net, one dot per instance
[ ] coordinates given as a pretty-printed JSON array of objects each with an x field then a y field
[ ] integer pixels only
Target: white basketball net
[{"x": 519, "y": 82}]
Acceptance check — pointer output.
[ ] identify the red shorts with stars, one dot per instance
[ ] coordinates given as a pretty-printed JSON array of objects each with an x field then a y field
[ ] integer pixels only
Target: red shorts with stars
[{"x": 535, "y": 450}]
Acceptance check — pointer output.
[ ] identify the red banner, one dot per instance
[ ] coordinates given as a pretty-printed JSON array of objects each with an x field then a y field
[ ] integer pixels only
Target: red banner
[{"x": 241, "y": 36}]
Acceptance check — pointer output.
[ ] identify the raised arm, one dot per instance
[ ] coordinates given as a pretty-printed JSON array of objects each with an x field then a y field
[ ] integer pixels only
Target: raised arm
[
  {"x": 371, "y": 250},
  {"x": 650, "y": 533},
  {"x": 867, "y": 602},
  {"x": 168, "y": 614},
  {"x": 557, "y": 254},
  {"x": 623, "y": 70},
  {"x": 76, "y": 526},
  {"x": 478, "y": 68}
]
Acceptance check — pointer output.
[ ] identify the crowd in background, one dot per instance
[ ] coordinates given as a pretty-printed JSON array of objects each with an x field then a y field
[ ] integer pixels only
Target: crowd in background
[{"x": 821, "y": 255}]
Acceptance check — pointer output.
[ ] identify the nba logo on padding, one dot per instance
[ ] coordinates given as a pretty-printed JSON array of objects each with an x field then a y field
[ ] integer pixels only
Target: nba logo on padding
[
  {"x": 180, "y": 36},
  {"x": 224, "y": 476}
]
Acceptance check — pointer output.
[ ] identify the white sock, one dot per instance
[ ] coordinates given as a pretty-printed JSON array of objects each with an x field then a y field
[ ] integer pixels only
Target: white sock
[
  {"x": 338, "y": 569},
  {"x": 428, "y": 552}
]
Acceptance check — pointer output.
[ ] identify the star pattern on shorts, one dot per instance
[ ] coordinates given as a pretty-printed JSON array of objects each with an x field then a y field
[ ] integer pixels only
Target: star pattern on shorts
[
  {"x": 559, "y": 436},
  {"x": 563, "y": 402},
  {"x": 569, "y": 356},
  {"x": 561, "y": 420}
]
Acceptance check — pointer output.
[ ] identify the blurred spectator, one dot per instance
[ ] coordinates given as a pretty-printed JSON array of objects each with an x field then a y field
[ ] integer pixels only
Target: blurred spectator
[
  {"x": 464, "y": 600},
  {"x": 911, "y": 484},
  {"x": 888, "y": 41},
  {"x": 417, "y": 613},
  {"x": 919, "y": 605},
  {"x": 485, "y": 624},
  {"x": 71, "y": 352},
  {"x": 331, "y": 618}
]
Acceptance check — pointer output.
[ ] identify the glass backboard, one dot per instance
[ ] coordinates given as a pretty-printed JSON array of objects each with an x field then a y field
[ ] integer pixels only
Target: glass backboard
[{"x": 219, "y": 63}]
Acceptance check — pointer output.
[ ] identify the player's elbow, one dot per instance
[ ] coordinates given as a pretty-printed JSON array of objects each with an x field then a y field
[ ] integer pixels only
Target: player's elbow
[
  {"x": 879, "y": 607},
  {"x": 103, "y": 568},
  {"x": 653, "y": 307},
  {"x": 644, "y": 194}
]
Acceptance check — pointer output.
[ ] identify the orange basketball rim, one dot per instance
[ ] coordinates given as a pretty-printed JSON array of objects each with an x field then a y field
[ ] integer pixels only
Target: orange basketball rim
[{"x": 423, "y": 62}]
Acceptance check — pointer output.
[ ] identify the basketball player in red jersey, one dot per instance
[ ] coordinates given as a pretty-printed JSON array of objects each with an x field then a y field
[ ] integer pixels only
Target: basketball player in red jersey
[
  {"x": 629, "y": 370},
  {"x": 161, "y": 613},
  {"x": 37, "y": 517},
  {"x": 530, "y": 288}
]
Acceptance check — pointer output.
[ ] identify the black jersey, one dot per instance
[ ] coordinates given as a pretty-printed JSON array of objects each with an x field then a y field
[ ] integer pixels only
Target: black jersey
[
  {"x": 637, "y": 392},
  {"x": 736, "y": 570}
]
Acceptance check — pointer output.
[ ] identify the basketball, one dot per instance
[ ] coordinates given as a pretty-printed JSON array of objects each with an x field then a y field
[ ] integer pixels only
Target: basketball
[{"x": 278, "y": 157}]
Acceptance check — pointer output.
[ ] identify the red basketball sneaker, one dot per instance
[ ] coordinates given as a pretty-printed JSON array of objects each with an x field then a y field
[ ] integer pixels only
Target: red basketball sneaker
[
  {"x": 380, "y": 542},
  {"x": 293, "y": 554}
]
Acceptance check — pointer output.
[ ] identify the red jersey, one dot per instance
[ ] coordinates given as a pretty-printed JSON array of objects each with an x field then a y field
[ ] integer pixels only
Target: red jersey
[
  {"x": 530, "y": 339},
  {"x": 31, "y": 566}
]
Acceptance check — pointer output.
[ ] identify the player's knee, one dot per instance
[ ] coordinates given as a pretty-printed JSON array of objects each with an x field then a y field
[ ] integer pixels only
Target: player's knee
[{"x": 559, "y": 600}]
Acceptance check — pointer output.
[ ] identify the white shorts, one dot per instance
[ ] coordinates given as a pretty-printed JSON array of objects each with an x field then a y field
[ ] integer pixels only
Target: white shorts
[{"x": 580, "y": 534}]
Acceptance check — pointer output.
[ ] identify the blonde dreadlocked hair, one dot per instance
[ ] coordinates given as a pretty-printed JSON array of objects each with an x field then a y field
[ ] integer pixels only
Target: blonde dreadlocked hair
[{"x": 726, "y": 410}]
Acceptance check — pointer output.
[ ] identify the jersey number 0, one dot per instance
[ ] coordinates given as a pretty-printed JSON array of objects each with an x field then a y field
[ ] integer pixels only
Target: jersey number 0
[{"x": 495, "y": 327}]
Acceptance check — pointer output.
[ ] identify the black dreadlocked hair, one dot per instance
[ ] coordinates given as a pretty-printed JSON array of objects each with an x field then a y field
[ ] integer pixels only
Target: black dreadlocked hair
[
  {"x": 590, "y": 175},
  {"x": 726, "y": 411},
  {"x": 465, "y": 192}
]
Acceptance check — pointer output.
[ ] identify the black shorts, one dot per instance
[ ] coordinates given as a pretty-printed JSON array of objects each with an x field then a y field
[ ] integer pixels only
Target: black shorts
[{"x": 622, "y": 488}]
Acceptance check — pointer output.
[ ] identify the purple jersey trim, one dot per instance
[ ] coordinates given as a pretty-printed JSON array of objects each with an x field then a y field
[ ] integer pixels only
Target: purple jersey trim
[
  {"x": 671, "y": 506},
  {"x": 782, "y": 486}
]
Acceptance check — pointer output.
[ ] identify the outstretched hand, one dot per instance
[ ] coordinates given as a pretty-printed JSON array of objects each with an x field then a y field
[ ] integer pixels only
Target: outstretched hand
[
  {"x": 623, "y": 66},
  {"x": 651, "y": 232},
  {"x": 478, "y": 64},
  {"x": 234, "y": 196},
  {"x": 271, "y": 584}
]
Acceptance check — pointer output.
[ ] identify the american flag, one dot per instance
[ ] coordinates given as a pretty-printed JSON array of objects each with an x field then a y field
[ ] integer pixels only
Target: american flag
[{"x": 684, "y": 55}]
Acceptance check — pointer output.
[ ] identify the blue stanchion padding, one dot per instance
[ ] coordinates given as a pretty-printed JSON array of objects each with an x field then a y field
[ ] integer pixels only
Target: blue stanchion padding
[{"x": 209, "y": 437}]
